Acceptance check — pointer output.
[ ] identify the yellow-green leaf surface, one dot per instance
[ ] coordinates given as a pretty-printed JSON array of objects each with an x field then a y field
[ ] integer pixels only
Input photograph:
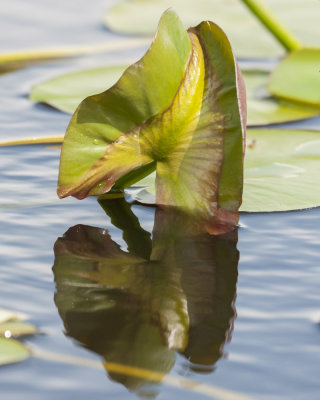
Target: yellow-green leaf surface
[
  {"x": 281, "y": 171},
  {"x": 144, "y": 90},
  {"x": 297, "y": 77},
  {"x": 264, "y": 109},
  {"x": 12, "y": 351},
  {"x": 195, "y": 143},
  {"x": 248, "y": 37},
  {"x": 65, "y": 92}
]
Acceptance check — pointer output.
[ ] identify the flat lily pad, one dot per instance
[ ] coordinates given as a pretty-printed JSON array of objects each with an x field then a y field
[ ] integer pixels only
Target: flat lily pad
[
  {"x": 12, "y": 351},
  {"x": 264, "y": 109},
  {"x": 281, "y": 171},
  {"x": 297, "y": 77},
  {"x": 17, "y": 328},
  {"x": 65, "y": 92},
  {"x": 248, "y": 37}
]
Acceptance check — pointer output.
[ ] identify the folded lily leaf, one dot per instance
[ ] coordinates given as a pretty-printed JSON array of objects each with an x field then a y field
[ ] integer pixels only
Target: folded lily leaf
[{"x": 180, "y": 111}]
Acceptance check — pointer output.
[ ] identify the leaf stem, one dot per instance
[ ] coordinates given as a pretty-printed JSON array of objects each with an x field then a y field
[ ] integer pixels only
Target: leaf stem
[
  {"x": 40, "y": 140},
  {"x": 278, "y": 30}
]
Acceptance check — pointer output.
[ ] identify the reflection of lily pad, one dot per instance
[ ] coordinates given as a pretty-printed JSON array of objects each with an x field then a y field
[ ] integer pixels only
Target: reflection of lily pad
[
  {"x": 265, "y": 109},
  {"x": 12, "y": 351},
  {"x": 281, "y": 171},
  {"x": 248, "y": 37}
]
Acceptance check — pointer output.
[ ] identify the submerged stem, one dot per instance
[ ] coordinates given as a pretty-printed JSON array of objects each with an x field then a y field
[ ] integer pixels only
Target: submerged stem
[{"x": 278, "y": 30}]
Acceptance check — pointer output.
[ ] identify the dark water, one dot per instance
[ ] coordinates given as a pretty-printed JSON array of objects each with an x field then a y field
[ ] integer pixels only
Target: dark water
[{"x": 239, "y": 312}]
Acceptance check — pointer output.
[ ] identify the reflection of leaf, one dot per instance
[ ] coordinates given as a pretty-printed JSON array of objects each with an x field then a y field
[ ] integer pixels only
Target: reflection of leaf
[
  {"x": 12, "y": 351},
  {"x": 195, "y": 144},
  {"x": 297, "y": 77},
  {"x": 265, "y": 109},
  {"x": 280, "y": 171},
  {"x": 136, "y": 311},
  {"x": 248, "y": 36}
]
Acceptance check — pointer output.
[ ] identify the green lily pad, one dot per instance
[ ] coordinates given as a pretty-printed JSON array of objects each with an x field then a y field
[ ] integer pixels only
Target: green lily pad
[
  {"x": 297, "y": 77},
  {"x": 12, "y": 351},
  {"x": 281, "y": 171},
  {"x": 17, "y": 328},
  {"x": 264, "y": 109},
  {"x": 66, "y": 91},
  {"x": 247, "y": 36}
]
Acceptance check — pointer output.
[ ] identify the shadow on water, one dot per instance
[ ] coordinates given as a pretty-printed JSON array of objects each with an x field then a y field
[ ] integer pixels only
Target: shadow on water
[{"x": 172, "y": 291}]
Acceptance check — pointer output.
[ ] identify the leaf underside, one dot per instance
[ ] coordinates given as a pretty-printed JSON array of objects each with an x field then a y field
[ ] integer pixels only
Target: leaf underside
[{"x": 195, "y": 143}]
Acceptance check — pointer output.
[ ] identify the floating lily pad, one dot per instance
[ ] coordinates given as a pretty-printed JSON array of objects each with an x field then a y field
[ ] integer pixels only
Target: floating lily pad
[
  {"x": 297, "y": 77},
  {"x": 12, "y": 351},
  {"x": 281, "y": 171},
  {"x": 264, "y": 109},
  {"x": 17, "y": 328},
  {"x": 248, "y": 37},
  {"x": 67, "y": 91}
]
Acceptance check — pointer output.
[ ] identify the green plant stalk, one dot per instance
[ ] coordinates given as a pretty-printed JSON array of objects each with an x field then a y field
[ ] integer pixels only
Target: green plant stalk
[{"x": 278, "y": 30}]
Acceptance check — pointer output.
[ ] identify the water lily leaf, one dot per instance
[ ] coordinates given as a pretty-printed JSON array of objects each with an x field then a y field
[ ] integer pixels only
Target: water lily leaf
[
  {"x": 296, "y": 77},
  {"x": 202, "y": 125},
  {"x": 12, "y": 351},
  {"x": 264, "y": 109},
  {"x": 66, "y": 91},
  {"x": 17, "y": 328},
  {"x": 280, "y": 171},
  {"x": 277, "y": 176},
  {"x": 133, "y": 100},
  {"x": 302, "y": 18}
]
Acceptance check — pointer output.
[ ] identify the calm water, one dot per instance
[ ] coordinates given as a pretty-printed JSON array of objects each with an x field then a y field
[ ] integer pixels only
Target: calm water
[{"x": 252, "y": 298}]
